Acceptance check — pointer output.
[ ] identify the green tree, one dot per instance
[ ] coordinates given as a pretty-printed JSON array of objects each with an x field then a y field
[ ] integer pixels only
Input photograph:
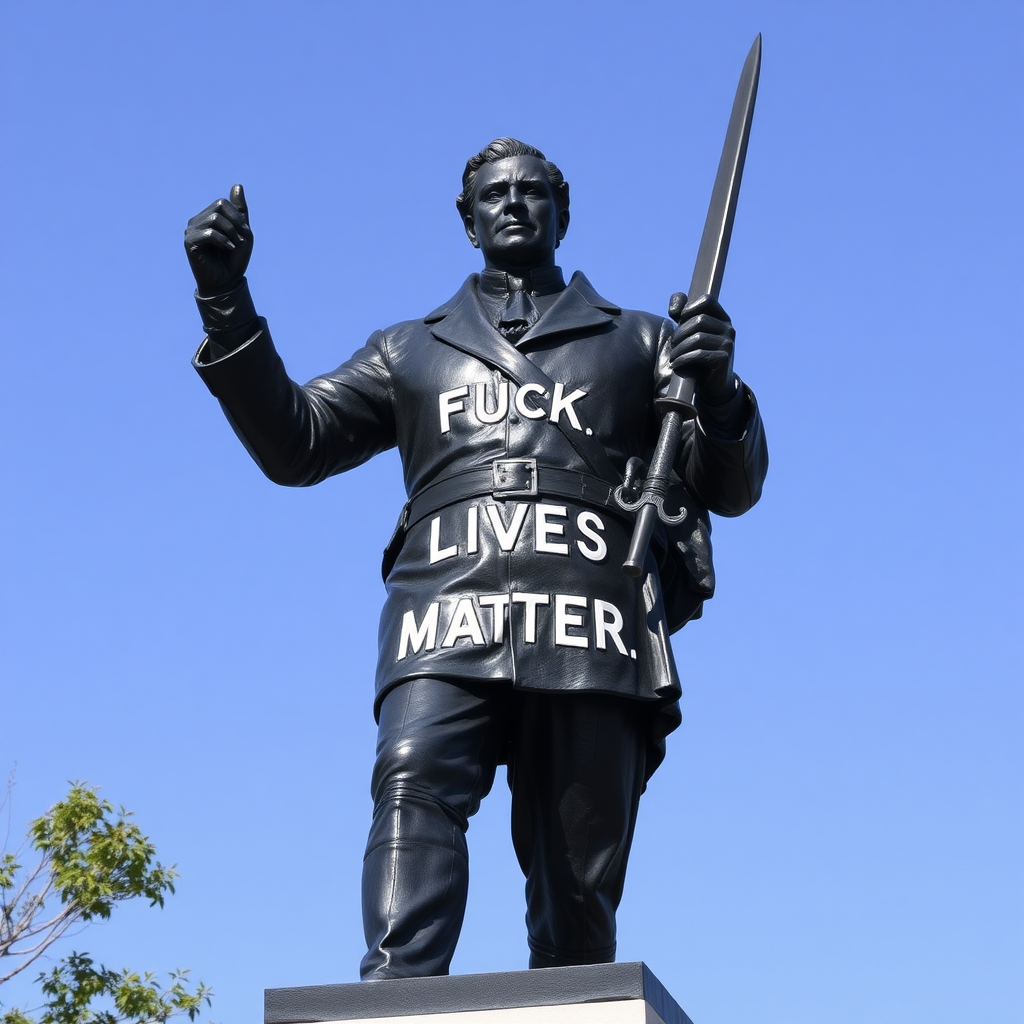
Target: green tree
[{"x": 85, "y": 859}]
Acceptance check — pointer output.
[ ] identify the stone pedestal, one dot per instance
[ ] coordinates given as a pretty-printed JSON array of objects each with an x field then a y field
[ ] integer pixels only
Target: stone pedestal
[{"x": 603, "y": 994}]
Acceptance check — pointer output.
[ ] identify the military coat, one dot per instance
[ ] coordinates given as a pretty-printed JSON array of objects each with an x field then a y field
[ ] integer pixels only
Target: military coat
[{"x": 501, "y": 577}]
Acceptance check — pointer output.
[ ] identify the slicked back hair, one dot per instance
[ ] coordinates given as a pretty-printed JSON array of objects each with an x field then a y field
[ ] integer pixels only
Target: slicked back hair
[{"x": 497, "y": 150}]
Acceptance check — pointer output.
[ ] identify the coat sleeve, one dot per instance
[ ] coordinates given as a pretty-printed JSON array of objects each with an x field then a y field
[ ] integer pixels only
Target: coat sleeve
[
  {"x": 724, "y": 470},
  {"x": 300, "y": 435}
]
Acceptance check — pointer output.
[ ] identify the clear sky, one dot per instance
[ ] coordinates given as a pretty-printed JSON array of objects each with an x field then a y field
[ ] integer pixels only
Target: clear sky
[{"x": 836, "y": 834}]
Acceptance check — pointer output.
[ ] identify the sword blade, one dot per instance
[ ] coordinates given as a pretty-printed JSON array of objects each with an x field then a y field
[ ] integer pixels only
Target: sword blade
[{"x": 714, "y": 243}]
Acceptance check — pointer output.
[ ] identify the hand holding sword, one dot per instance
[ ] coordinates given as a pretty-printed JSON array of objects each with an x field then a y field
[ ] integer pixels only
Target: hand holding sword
[{"x": 702, "y": 345}]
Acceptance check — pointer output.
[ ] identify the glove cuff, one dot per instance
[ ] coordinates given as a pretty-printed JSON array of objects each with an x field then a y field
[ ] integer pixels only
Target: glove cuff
[
  {"x": 227, "y": 311},
  {"x": 726, "y": 419}
]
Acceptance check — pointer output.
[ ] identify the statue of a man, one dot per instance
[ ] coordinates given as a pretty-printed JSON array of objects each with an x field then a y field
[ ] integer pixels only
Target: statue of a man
[{"x": 510, "y": 635}]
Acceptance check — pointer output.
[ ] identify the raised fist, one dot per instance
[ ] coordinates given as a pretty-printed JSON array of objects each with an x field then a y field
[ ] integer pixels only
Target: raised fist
[{"x": 219, "y": 243}]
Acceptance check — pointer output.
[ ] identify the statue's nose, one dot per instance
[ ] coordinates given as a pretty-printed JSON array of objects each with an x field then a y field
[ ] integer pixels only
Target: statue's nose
[{"x": 513, "y": 198}]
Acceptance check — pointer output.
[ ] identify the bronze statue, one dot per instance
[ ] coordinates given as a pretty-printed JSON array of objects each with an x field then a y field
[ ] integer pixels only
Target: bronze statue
[{"x": 510, "y": 634}]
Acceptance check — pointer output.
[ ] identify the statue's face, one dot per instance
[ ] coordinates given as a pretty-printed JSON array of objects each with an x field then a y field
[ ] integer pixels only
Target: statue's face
[{"x": 515, "y": 221}]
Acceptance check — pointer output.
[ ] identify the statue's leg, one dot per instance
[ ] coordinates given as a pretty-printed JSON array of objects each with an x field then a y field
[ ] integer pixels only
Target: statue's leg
[
  {"x": 437, "y": 748},
  {"x": 576, "y": 776}
]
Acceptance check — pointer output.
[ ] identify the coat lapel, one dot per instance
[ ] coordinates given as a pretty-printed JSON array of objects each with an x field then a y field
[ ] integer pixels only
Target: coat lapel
[
  {"x": 578, "y": 308},
  {"x": 461, "y": 321}
]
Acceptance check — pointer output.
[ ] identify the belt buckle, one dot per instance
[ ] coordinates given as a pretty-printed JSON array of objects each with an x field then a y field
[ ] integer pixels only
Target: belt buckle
[{"x": 513, "y": 478}]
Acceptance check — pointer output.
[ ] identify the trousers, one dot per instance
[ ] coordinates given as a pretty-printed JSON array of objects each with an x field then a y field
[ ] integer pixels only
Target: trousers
[{"x": 575, "y": 769}]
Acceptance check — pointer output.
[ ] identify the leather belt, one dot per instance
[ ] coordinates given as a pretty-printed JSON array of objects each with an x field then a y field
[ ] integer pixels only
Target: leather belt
[{"x": 509, "y": 479}]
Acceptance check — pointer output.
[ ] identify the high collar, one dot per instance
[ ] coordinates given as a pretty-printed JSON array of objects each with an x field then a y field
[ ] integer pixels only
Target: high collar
[
  {"x": 578, "y": 288},
  {"x": 539, "y": 281},
  {"x": 578, "y": 307}
]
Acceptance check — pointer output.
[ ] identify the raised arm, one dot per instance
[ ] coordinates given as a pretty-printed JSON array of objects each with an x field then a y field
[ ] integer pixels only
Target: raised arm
[{"x": 298, "y": 435}]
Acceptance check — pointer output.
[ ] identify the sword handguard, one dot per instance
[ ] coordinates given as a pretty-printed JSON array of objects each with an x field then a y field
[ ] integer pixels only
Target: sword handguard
[{"x": 679, "y": 397}]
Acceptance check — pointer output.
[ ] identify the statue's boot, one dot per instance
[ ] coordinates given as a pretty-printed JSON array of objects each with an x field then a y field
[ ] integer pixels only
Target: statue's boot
[
  {"x": 415, "y": 882},
  {"x": 589, "y": 751}
]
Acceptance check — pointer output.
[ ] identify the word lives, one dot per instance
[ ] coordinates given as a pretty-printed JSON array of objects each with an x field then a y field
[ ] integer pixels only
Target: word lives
[{"x": 460, "y": 530}]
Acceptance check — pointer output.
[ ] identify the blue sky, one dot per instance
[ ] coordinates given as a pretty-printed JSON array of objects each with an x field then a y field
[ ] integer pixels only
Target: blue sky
[{"x": 837, "y": 832}]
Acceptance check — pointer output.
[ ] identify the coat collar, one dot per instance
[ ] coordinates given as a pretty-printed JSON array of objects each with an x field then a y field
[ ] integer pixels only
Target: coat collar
[{"x": 578, "y": 307}]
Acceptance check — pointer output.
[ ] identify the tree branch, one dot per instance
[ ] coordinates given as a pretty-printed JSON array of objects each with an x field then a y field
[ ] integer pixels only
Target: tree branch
[
  {"x": 36, "y": 951},
  {"x": 24, "y": 928}
]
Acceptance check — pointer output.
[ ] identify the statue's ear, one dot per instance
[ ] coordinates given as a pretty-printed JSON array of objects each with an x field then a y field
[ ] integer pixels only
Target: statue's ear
[
  {"x": 563, "y": 226},
  {"x": 467, "y": 223}
]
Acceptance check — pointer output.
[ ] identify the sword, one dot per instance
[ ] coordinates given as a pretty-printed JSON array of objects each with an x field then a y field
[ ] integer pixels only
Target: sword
[{"x": 706, "y": 280}]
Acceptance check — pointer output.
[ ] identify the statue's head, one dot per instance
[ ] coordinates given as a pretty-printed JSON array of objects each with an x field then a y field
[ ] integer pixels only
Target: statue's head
[{"x": 514, "y": 205}]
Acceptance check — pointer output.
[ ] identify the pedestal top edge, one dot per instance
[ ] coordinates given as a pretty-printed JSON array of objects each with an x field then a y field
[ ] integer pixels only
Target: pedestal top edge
[{"x": 462, "y": 992}]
